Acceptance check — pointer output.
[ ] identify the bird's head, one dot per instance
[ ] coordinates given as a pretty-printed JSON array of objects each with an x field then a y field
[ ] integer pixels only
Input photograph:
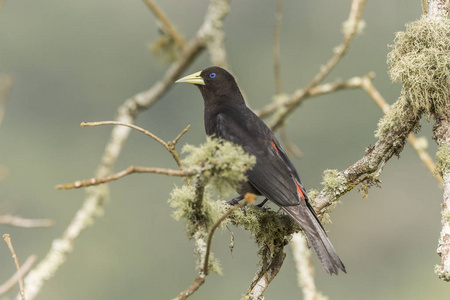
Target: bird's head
[{"x": 214, "y": 83}]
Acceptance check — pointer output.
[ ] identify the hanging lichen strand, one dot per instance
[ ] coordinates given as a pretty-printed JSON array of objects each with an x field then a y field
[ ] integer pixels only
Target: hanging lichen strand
[{"x": 420, "y": 61}]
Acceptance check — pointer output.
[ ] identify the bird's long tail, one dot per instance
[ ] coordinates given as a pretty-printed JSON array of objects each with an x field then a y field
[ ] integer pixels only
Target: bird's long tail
[{"x": 307, "y": 219}]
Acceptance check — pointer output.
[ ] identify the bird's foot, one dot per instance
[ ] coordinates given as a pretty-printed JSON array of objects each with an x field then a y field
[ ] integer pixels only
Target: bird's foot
[{"x": 235, "y": 201}]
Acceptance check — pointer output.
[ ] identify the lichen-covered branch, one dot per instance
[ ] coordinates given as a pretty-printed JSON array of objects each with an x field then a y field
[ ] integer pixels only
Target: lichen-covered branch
[
  {"x": 18, "y": 221},
  {"x": 305, "y": 268},
  {"x": 271, "y": 265},
  {"x": 442, "y": 137},
  {"x": 393, "y": 131},
  {"x": 118, "y": 175},
  {"x": 212, "y": 33},
  {"x": 416, "y": 143}
]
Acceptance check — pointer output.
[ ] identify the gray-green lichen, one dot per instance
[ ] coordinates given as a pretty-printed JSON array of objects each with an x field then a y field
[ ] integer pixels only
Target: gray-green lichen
[
  {"x": 222, "y": 166},
  {"x": 224, "y": 162},
  {"x": 441, "y": 273},
  {"x": 442, "y": 159},
  {"x": 420, "y": 60},
  {"x": 268, "y": 227},
  {"x": 182, "y": 199},
  {"x": 334, "y": 183},
  {"x": 394, "y": 120}
]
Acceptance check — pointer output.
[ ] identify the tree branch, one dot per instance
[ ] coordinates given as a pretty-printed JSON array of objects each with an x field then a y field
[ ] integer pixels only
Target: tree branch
[
  {"x": 127, "y": 171},
  {"x": 368, "y": 86},
  {"x": 270, "y": 268},
  {"x": 305, "y": 268},
  {"x": 7, "y": 239},
  {"x": 441, "y": 132},
  {"x": 18, "y": 221},
  {"x": 249, "y": 198},
  {"x": 353, "y": 23},
  {"x": 323, "y": 89},
  {"x": 366, "y": 169},
  {"x": 159, "y": 13}
]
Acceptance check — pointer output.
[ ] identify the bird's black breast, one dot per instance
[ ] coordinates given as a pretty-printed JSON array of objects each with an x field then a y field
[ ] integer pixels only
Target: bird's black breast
[{"x": 271, "y": 176}]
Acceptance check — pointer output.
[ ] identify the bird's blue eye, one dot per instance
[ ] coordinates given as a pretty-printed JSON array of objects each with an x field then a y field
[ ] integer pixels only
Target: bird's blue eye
[{"x": 212, "y": 75}]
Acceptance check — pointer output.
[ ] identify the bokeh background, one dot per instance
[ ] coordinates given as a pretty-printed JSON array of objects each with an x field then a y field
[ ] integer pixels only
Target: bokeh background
[{"x": 75, "y": 61}]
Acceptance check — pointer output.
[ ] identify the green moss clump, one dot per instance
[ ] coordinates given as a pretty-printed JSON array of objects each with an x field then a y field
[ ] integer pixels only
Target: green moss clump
[
  {"x": 183, "y": 201},
  {"x": 268, "y": 227},
  {"x": 225, "y": 163},
  {"x": 442, "y": 159},
  {"x": 441, "y": 273},
  {"x": 334, "y": 183},
  {"x": 420, "y": 60},
  {"x": 394, "y": 120}
]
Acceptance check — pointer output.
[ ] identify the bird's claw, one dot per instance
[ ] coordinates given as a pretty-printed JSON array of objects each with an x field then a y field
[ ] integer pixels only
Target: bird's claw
[{"x": 235, "y": 201}]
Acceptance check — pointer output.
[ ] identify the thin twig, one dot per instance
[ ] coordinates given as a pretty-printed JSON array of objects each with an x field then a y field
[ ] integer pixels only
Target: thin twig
[
  {"x": 370, "y": 89},
  {"x": 7, "y": 239},
  {"x": 424, "y": 7},
  {"x": 118, "y": 175},
  {"x": 175, "y": 140},
  {"x": 18, "y": 221},
  {"x": 146, "y": 132},
  {"x": 159, "y": 13},
  {"x": 276, "y": 47},
  {"x": 249, "y": 198},
  {"x": 327, "y": 88},
  {"x": 354, "y": 21},
  {"x": 266, "y": 274},
  {"x": 170, "y": 146},
  {"x": 24, "y": 269},
  {"x": 200, "y": 279}
]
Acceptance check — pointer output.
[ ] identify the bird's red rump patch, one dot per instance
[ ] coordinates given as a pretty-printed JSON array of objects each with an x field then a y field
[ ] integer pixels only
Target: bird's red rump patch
[
  {"x": 299, "y": 189},
  {"x": 274, "y": 146}
]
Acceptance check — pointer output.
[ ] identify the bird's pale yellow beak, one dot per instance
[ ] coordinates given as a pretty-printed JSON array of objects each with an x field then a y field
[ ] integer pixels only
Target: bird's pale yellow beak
[{"x": 193, "y": 79}]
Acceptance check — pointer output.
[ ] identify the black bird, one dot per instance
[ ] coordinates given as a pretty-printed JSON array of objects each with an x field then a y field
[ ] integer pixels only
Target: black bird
[{"x": 274, "y": 176}]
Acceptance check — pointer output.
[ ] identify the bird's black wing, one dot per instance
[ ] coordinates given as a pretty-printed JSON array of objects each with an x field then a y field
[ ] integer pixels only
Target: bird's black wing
[{"x": 271, "y": 176}]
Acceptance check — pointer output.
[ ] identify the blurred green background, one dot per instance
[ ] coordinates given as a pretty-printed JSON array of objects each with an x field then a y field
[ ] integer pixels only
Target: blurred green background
[{"x": 75, "y": 61}]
